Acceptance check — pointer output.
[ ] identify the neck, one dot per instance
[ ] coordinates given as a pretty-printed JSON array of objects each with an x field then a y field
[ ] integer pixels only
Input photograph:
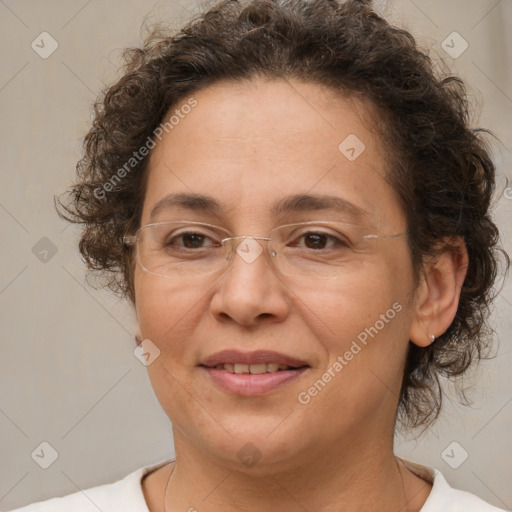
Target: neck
[{"x": 363, "y": 478}]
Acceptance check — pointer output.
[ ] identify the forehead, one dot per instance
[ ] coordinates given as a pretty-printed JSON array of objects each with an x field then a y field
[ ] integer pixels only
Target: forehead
[{"x": 251, "y": 144}]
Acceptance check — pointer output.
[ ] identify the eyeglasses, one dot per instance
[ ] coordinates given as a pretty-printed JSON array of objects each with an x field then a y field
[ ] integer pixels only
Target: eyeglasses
[{"x": 313, "y": 249}]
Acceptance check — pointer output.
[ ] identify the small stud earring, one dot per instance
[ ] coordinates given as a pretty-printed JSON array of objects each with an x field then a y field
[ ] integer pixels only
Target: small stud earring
[{"x": 432, "y": 339}]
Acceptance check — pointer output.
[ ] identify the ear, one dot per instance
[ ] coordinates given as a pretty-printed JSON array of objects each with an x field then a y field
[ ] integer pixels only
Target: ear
[{"x": 438, "y": 292}]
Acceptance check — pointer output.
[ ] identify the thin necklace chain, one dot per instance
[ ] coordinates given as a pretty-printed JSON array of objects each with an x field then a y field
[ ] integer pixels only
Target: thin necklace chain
[{"x": 167, "y": 487}]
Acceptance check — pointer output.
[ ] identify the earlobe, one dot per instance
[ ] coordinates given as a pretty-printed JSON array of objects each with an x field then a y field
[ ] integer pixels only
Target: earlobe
[
  {"x": 437, "y": 295},
  {"x": 138, "y": 335}
]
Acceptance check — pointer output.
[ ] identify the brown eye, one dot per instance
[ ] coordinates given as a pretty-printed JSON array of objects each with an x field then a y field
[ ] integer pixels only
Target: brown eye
[
  {"x": 193, "y": 240},
  {"x": 315, "y": 240},
  {"x": 189, "y": 240}
]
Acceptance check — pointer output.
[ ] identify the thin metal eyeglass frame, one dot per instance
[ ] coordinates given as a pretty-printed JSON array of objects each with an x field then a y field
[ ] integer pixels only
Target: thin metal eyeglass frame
[{"x": 130, "y": 240}]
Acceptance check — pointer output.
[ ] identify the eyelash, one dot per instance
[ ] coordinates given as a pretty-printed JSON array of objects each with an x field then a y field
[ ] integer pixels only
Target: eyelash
[
  {"x": 178, "y": 236},
  {"x": 330, "y": 237}
]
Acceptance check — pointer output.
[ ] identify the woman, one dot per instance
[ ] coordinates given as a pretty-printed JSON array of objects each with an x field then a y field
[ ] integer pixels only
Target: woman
[{"x": 298, "y": 210}]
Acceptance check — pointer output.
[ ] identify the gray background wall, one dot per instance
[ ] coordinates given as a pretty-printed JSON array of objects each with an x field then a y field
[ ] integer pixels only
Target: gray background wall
[{"x": 68, "y": 374}]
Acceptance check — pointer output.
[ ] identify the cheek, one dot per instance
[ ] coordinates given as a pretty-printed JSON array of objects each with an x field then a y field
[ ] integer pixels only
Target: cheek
[
  {"x": 345, "y": 306},
  {"x": 167, "y": 315},
  {"x": 362, "y": 320},
  {"x": 168, "y": 312}
]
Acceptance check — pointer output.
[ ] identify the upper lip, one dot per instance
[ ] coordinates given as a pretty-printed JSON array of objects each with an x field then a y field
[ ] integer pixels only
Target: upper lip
[{"x": 256, "y": 357}]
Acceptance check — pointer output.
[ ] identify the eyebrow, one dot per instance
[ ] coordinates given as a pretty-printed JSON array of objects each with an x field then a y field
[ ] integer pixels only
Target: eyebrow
[
  {"x": 308, "y": 202},
  {"x": 192, "y": 202},
  {"x": 290, "y": 204}
]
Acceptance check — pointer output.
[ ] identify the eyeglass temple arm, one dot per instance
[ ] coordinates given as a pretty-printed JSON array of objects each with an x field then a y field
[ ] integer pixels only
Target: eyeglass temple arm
[
  {"x": 129, "y": 239},
  {"x": 396, "y": 235}
]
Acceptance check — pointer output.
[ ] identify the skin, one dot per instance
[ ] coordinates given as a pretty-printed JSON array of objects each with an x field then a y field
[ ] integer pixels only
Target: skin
[{"x": 247, "y": 145}]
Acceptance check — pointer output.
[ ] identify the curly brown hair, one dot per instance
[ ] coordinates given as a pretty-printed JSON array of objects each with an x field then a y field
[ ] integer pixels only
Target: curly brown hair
[{"x": 440, "y": 168}]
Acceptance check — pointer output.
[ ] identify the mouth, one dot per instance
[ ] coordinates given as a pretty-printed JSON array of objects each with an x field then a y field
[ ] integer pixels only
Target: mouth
[
  {"x": 253, "y": 373},
  {"x": 254, "y": 369}
]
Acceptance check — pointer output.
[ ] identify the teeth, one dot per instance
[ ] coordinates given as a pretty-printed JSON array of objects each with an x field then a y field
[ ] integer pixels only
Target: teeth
[
  {"x": 241, "y": 368},
  {"x": 258, "y": 368},
  {"x": 255, "y": 369}
]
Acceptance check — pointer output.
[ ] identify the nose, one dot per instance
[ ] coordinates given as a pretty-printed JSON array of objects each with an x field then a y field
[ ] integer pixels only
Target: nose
[{"x": 250, "y": 292}]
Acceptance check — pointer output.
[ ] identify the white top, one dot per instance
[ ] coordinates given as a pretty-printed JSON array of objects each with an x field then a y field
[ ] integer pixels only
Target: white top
[{"x": 126, "y": 495}]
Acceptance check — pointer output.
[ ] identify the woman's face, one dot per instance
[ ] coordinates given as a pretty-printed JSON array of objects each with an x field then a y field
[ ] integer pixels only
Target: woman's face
[{"x": 247, "y": 148}]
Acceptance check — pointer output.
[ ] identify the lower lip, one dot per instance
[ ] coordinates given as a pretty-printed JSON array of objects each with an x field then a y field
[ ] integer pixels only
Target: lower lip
[{"x": 248, "y": 384}]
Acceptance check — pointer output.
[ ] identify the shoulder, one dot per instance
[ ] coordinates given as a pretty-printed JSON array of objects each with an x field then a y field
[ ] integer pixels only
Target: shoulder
[
  {"x": 446, "y": 498},
  {"x": 455, "y": 500},
  {"x": 125, "y": 495}
]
